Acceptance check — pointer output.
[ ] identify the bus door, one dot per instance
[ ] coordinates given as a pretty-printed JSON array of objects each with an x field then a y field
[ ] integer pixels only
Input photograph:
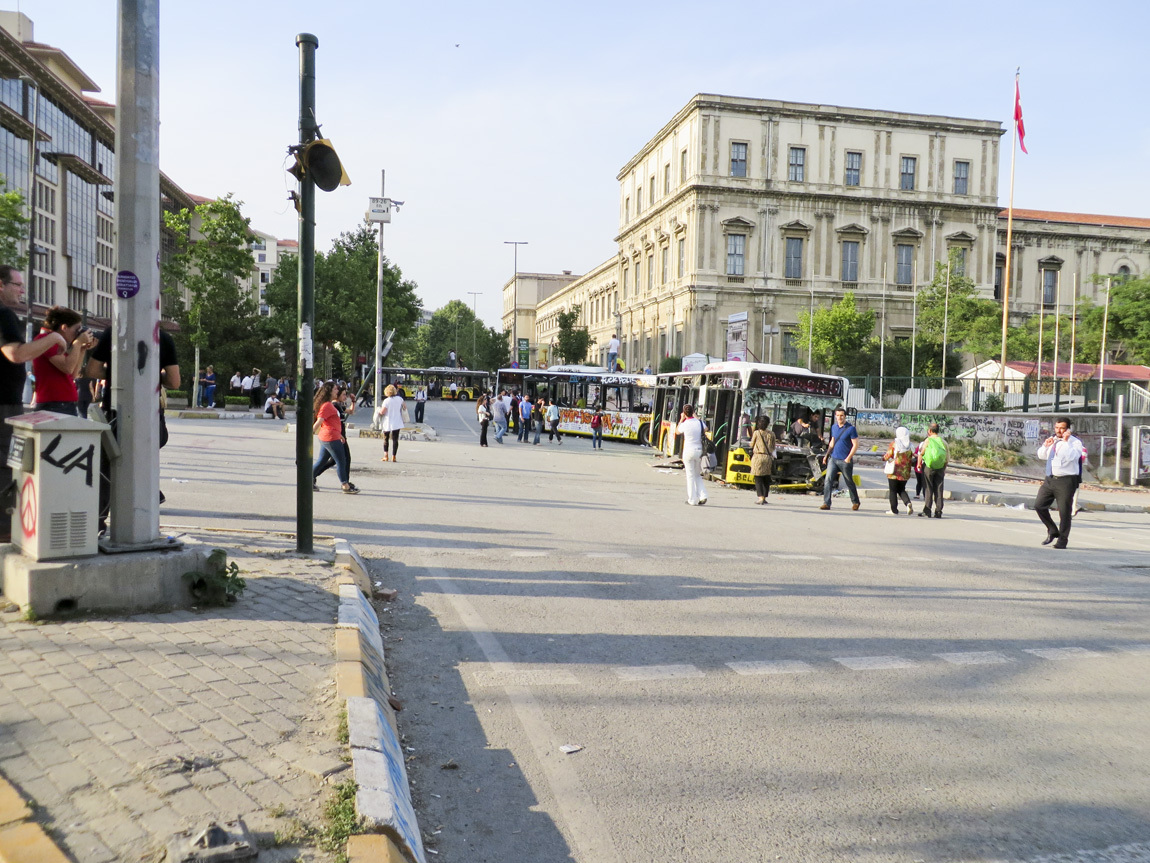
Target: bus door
[{"x": 720, "y": 416}]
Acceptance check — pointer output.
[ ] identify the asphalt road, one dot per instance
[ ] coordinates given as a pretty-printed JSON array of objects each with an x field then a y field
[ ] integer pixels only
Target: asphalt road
[{"x": 747, "y": 683}]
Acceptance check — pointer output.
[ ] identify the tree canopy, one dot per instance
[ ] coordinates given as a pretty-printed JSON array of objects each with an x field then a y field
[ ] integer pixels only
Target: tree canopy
[
  {"x": 573, "y": 341},
  {"x": 455, "y": 327},
  {"x": 840, "y": 336},
  {"x": 13, "y": 227}
]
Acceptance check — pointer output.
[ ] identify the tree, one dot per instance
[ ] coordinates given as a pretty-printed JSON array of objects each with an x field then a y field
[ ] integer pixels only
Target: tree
[
  {"x": 221, "y": 319},
  {"x": 958, "y": 315},
  {"x": 842, "y": 336},
  {"x": 346, "y": 282},
  {"x": 572, "y": 342},
  {"x": 455, "y": 327},
  {"x": 13, "y": 228}
]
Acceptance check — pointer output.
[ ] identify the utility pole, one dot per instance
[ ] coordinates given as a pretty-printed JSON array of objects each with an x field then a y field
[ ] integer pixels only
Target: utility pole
[
  {"x": 379, "y": 211},
  {"x": 474, "y": 324},
  {"x": 135, "y": 372},
  {"x": 308, "y": 130},
  {"x": 515, "y": 244},
  {"x": 30, "y": 279}
]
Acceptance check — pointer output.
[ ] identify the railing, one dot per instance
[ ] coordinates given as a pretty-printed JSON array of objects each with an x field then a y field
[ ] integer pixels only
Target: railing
[
  {"x": 931, "y": 393},
  {"x": 1137, "y": 399},
  {"x": 735, "y": 280}
]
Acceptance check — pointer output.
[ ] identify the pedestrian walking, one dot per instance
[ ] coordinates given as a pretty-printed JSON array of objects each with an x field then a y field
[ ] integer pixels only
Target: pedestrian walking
[
  {"x": 553, "y": 422},
  {"x": 499, "y": 416},
  {"x": 524, "y": 409},
  {"x": 691, "y": 428},
  {"x": 933, "y": 461},
  {"x": 897, "y": 469},
  {"x": 1063, "y": 454},
  {"x": 538, "y": 412},
  {"x": 326, "y": 428},
  {"x": 916, "y": 463},
  {"x": 484, "y": 416},
  {"x": 55, "y": 370},
  {"x": 341, "y": 401},
  {"x": 839, "y": 459},
  {"x": 597, "y": 419},
  {"x": 391, "y": 420},
  {"x": 420, "y": 403},
  {"x": 762, "y": 458}
]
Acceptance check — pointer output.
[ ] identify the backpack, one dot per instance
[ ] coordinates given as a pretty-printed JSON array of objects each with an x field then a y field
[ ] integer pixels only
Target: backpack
[
  {"x": 595, "y": 421},
  {"x": 934, "y": 453}
]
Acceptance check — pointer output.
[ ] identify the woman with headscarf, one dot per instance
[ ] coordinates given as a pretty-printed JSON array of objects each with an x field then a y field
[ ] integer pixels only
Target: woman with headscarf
[
  {"x": 762, "y": 457},
  {"x": 391, "y": 420},
  {"x": 898, "y": 468}
]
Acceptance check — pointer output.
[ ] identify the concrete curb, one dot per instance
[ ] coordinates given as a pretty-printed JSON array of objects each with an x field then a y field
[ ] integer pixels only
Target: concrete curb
[
  {"x": 383, "y": 798},
  {"x": 22, "y": 839},
  {"x": 1027, "y": 501},
  {"x": 347, "y": 557}
]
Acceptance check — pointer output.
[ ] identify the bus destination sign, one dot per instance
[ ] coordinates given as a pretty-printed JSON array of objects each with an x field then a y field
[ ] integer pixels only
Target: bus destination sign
[{"x": 815, "y": 386}]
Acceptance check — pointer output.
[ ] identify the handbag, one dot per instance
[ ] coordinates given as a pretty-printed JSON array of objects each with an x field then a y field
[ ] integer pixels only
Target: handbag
[{"x": 404, "y": 414}]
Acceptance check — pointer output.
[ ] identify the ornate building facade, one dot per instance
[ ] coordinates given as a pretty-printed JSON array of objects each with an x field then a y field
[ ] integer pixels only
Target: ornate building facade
[{"x": 766, "y": 208}]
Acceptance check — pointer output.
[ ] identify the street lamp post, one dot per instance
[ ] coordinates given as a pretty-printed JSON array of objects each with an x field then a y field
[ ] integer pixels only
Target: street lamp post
[
  {"x": 379, "y": 211},
  {"x": 515, "y": 302},
  {"x": 474, "y": 322}
]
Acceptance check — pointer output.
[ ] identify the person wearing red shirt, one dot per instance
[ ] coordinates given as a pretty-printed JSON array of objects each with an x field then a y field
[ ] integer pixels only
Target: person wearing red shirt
[
  {"x": 327, "y": 429},
  {"x": 56, "y": 369}
]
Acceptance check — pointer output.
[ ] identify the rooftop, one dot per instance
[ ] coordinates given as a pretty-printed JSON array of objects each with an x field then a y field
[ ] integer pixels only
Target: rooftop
[{"x": 1078, "y": 218}]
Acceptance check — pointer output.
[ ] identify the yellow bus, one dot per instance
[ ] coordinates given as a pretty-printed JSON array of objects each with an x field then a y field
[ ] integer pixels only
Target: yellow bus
[{"x": 464, "y": 385}]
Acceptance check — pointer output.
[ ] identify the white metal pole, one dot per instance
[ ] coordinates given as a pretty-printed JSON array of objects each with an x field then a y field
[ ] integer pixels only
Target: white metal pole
[
  {"x": 515, "y": 244},
  {"x": 135, "y": 343},
  {"x": 811, "y": 330},
  {"x": 30, "y": 278},
  {"x": 1102, "y": 357},
  {"x": 1057, "y": 321},
  {"x": 1118, "y": 440},
  {"x": 377, "y": 361},
  {"x": 474, "y": 324},
  {"x": 1073, "y": 330},
  {"x": 913, "y": 316},
  {"x": 945, "y": 319},
  {"x": 882, "y": 341}
]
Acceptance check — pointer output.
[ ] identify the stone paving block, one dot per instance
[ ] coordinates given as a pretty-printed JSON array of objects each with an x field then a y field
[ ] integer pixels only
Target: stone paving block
[
  {"x": 322, "y": 766},
  {"x": 176, "y": 721},
  {"x": 49, "y": 756},
  {"x": 28, "y": 843},
  {"x": 227, "y": 689},
  {"x": 71, "y": 777},
  {"x": 197, "y": 713},
  {"x": 210, "y": 778},
  {"x": 269, "y": 793},
  {"x": 122, "y": 833},
  {"x": 165, "y": 821},
  {"x": 10, "y": 747},
  {"x": 279, "y": 724},
  {"x": 231, "y": 801},
  {"x": 45, "y": 713},
  {"x": 111, "y": 732},
  {"x": 19, "y": 681},
  {"x": 191, "y": 802},
  {"x": 70, "y": 731},
  {"x": 72, "y": 697},
  {"x": 262, "y": 734},
  {"x": 169, "y": 783},
  {"x": 242, "y": 772},
  {"x": 137, "y": 797}
]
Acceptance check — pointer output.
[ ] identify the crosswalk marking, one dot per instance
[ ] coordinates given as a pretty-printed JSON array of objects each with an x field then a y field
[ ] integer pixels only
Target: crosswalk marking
[
  {"x": 974, "y": 657},
  {"x": 657, "y": 672},
  {"x": 771, "y": 666},
  {"x": 1057, "y": 653},
  {"x": 874, "y": 663}
]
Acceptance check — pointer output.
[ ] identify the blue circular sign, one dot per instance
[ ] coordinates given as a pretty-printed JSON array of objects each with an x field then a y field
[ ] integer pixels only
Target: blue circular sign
[{"x": 127, "y": 284}]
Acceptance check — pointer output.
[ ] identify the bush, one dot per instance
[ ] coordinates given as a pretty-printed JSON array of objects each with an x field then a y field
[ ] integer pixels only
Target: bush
[
  {"x": 671, "y": 364},
  {"x": 177, "y": 394},
  {"x": 236, "y": 400},
  {"x": 993, "y": 402},
  {"x": 982, "y": 455},
  {"x": 289, "y": 403}
]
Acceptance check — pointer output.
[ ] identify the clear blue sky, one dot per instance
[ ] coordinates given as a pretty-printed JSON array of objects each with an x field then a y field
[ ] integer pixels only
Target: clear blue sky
[{"x": 509, "y": 121}]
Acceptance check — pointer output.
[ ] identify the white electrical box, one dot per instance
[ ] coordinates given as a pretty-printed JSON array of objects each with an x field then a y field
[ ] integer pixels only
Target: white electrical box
[{"x": 55, "y": 460}]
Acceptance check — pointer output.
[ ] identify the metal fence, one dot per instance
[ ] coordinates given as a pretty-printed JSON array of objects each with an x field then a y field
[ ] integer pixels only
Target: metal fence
[{"x": 1046, "y": 395}]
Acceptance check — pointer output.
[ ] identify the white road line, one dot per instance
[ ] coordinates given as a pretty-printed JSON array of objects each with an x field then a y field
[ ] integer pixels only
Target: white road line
[
  {"x": 529, "y": 554},
  {"x": 1136, "y": 649},
  {"x": 975, "y": 657},
  {"x": 797, "y": 557},
  {"x": 589, "y": 830},
  {"x": 1057, "y": 653},
  {"x": 606, "y": 554},
  {"x": 514, "y": 674},
  {"x": 874, "y": 663},
  {"x": 771, "y": 666},
  {"x": 1138, "y": 852},
  {"x": 657, "y": 672}
]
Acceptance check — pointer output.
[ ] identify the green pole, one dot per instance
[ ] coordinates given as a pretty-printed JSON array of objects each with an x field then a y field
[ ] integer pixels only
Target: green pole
[{"x": 307, "y": 44}]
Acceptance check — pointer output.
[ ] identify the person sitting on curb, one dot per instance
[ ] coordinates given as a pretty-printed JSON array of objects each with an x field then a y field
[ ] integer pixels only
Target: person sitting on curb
[{"x": 273, "y": 407}]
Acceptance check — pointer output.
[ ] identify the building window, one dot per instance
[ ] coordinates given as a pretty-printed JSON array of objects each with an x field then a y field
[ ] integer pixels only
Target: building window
[
  {"x": 1049, "y": 286},
  {"x": 854, "y": 168},
  {"x": 850, "y": 271},
  {"x": 1122, "y": 275},
  {"x": 665, "y": 255},
  {"x": 638, "y": 275},
  {"x": 961, "y": 177},
  {"x": 906, "y": 175},
  {"x": 650, "y": 272},
  {"x": 639, "y": 199},
  {"x": 790, "y": 351},
  {"x": 683, "y": 167},
  {"x": 794, "y": 266},
  {"x": 261, "y": 258},
  {"x": 998, "y": 268},
  {"x": 959, "y": 253},
  {"x": 682, "y": 256},
  {"x": 736, "y": 246},
  {"x": 651, "y": 196},
  {"x": 904, "y": 269},
  {"x": 667, "y": 179},
  {"x": 738, "y": 160},
  {"x": 625, "y": 272},
  {"x": 796, "y": 163},
  {"x": 627, "y": 209}
]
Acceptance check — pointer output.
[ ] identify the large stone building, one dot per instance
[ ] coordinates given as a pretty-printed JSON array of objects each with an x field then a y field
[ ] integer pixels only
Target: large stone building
[{"x": 766, "y": 208}]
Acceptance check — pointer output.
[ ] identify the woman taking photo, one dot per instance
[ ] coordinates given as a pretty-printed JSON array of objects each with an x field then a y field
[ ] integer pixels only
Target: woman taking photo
[
  {"x": 56, "y": 369},
  {"x": 391, "y": 420},
  {"x": 327, "y": 430}
]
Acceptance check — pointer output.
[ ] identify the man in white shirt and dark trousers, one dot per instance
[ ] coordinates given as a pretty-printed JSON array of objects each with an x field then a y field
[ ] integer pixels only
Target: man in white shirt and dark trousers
[
  {"x": 692, "y": 430},
  {"x": 1062, "y": 452}
]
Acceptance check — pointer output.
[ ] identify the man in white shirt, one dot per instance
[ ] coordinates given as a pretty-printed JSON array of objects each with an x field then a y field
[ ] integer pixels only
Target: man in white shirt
[
  {"x": 1062, "y": 452},
  {"x": 237, "y": 384},
  {"x": 246, "y": 387},
  {"x": 420, "y": 403},
  {"x": 612, "y": 352},
  {"x": 691, "y": 428}
]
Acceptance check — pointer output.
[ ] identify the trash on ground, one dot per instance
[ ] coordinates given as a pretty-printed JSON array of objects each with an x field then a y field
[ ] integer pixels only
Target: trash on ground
[{"x": 568, "y": 748}]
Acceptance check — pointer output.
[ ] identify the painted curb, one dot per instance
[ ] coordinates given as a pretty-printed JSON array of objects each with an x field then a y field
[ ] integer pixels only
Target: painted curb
[
  {"x": 373, "y": 848},
  {"x": 21, "y": 839},
  {"x": 347, "y": 557},
  {"x": 382, "y": 799}
]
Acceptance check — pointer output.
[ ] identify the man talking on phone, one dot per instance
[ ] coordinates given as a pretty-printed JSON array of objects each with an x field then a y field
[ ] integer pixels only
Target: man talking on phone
[{"x": 1062, "y": 452}]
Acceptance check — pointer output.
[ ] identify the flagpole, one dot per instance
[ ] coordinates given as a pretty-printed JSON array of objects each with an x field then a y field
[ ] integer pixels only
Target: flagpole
[
  {"x": 1073, "y": 327},
  {"x": 1102, "y": 357},
  {"x": 945, "y": 319},
  {"x": 1057, "y": 322},
  {"x": 882, "y": 341},
  {"x": 913, "y": 315},
  {"x": 1041, "y": 318},
  {"x": 1009, "y": 237}
]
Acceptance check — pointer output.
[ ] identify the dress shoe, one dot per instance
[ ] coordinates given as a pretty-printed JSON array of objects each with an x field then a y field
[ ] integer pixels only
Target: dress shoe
[
  {"x": 1049, "y": 539},
  {"x": 854, "y": 507},
  {"x": 1060, "y": 545},
  {"x": 924, "y": 514},
  {"x": 938, "y": 515},
  {"x": 825, "y": 506}
]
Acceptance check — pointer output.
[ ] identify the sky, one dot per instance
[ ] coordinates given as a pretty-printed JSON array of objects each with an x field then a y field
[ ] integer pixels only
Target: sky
[{"x": 510, "y": 120}]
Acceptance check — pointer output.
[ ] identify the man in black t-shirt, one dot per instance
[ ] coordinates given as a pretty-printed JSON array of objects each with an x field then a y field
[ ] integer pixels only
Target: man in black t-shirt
[{"x": 14, "y": 353}]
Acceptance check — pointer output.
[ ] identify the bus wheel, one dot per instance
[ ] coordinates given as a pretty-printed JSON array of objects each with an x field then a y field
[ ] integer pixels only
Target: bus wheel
[
  {"x": 464, "y": 396},
  {"x": 644, "y": 435}
]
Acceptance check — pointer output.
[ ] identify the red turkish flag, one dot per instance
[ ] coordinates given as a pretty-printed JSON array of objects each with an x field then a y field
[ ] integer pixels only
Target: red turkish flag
[{"x": 1018, "y": 117}]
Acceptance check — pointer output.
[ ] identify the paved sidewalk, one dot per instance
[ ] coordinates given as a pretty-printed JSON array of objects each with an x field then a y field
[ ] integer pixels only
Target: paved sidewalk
[{"x": 124, "y": 731}]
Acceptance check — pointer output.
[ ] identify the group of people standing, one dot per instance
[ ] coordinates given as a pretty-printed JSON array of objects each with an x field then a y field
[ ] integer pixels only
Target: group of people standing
[{"x": 511, "y": 411}]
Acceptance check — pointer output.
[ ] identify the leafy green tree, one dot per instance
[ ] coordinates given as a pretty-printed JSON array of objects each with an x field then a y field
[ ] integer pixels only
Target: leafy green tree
[
  {"x": 671, "y": 364},
  {"x": 957, "y": 314},
  {"x": 13, "y": 227},
  {"x": 1127, "y": 323},
  {"x": 573, "y": 341},
  {"x": 220, "y": 322},
  {"x": 455, "y": 327},
  {"x": 346, "y": 281},
  {"x": 842, "y": 336}
]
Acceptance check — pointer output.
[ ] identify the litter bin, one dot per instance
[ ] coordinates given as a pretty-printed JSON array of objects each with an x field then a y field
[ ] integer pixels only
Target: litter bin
[{"x": 55, "y": 461}]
